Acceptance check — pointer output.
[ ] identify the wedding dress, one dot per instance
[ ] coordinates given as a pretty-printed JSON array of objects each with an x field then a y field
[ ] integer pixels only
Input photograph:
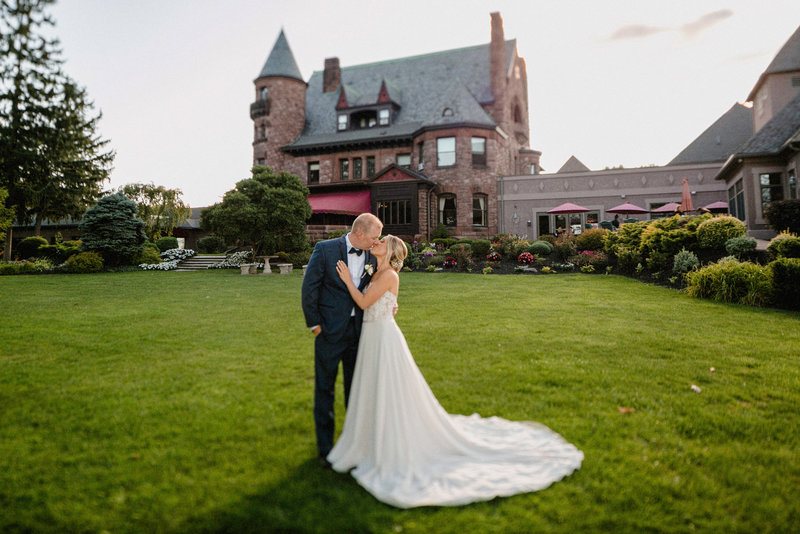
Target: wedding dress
[{"x": 407, "y": 451}]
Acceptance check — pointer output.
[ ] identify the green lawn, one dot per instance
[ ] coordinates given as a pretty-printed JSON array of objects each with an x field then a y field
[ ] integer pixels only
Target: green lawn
[{"x": 181, "y": 402}]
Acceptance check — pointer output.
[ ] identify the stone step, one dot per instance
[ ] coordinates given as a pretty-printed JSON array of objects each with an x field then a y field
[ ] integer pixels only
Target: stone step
[{"x": 199, "y": 263}]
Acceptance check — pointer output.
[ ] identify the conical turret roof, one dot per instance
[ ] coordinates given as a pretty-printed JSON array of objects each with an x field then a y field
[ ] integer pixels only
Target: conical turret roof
[
  {"x": 281, "y": 61},
  {"x": 786, "y": 60}
]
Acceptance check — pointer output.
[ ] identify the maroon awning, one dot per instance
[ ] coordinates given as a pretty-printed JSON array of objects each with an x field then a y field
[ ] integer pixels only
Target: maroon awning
[{"x": 347, "y": 202}]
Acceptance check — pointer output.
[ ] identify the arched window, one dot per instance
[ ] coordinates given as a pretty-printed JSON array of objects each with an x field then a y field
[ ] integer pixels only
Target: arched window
[
  {"x": 518, "y": 113},
  {"x": 480, "y": 210},
  {"x": 264, "y": 92},
  {"x": 447, "y": 209}
]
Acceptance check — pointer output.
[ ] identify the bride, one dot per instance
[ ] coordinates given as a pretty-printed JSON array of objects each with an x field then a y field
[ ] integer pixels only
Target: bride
[{"x": 402, "y": 446}]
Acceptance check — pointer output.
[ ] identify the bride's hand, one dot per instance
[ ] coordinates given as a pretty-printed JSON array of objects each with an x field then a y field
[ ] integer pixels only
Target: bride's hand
[{"x": 344, "y": 272}]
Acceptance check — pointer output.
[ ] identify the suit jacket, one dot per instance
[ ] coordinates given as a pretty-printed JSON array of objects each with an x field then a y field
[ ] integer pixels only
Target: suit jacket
[{"x": 326, "y": 300}]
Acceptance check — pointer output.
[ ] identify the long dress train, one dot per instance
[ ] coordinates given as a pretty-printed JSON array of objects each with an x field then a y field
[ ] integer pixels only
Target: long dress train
[{"x": 407, "y": 451}]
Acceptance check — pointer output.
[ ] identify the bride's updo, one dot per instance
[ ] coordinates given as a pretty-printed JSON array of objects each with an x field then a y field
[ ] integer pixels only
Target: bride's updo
[{"x": 396, "y": 251}]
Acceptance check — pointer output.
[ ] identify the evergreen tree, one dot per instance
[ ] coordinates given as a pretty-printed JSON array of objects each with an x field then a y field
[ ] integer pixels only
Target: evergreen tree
[
  {"x": 112, "y": 229},
  {"x": 50, "y": 157},
  {"x": 268, "y": 211},
  {"x": 161, "y": 209},
  {"x": 6, "y": 214}
]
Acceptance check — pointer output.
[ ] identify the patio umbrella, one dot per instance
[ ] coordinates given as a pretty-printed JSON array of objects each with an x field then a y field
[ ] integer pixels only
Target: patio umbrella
[
  {"x": 627, "y": 209},
  {"x": 669, "y": 207},
  {"x": 686, "y": 197},
  {"x": 565, "y": 209},
  {"x": 717, "y": 206},
  {"x": 568, "y": 207}
]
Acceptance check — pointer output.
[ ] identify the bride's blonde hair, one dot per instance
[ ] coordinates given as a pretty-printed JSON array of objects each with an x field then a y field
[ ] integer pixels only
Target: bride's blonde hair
[{"x": 396, "y": 251}]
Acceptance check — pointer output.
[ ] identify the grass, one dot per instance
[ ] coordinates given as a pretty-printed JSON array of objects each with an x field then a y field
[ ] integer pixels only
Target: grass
[{"x": 181, "y": 402}]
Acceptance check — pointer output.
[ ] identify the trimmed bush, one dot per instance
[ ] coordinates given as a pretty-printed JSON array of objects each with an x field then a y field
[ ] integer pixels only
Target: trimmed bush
[
  {"x": 333, "y": 234},
  {"x": 147, "y": 255},
  {"x": 29, "y": 247},
  {"x": 663, "y": 238},
  {"x": 550, "y": 238},
  {"x": 211, "y": 244},
  {"x": 297, "y": 259},
  {"x": 58, "y": 254},
  {"x": 444, "y": 243},
  {"x": 441, "y": 232},
  {"x": 462, "y": 253},
  {"x": 85, "y": 262},
  {"x": 629, "y": 236},
  {"x": 591, "y": 239},
  {"x": 784, "y": 215},
  {"x": 729, "y": 280},
  {"x": 715, "y": 232},
  {"x": 786, "y": 282},
  {"x": 480, "y": 247},
  {"x": 741, "y": 247},
  {"x": 784, "y": 245},
  {"x": 564, "y": 247},
  {"x": 540, "y": 248},
  {"x": 684, "y": 261},
  {"x": 166, "y": 243}
]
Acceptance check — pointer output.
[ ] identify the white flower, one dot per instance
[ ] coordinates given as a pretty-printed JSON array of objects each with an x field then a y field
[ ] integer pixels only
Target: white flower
[{"x": 367, "y": 270}]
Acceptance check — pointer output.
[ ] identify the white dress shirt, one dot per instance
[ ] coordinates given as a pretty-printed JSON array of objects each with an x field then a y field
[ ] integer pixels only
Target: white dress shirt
[{"x": 355, "y": 264}]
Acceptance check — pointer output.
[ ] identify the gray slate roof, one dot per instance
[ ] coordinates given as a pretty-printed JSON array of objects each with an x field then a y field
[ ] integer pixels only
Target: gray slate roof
[
  {"x": 423, "y": 86},
  {"x": 721, "y": 139},
  {"x": 786, "y": 60},
  {"x": 280, "y": 61},
  {"x": 573, "y": 164},
  {"x": 774, "y": 135}
]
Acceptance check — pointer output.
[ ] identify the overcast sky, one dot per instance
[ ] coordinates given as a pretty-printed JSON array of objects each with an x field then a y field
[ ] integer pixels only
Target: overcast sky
[{"x": 613, "y": 82}]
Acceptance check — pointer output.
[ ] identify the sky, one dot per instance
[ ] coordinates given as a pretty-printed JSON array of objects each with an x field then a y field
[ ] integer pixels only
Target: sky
[{"x": 612, "y": 82}]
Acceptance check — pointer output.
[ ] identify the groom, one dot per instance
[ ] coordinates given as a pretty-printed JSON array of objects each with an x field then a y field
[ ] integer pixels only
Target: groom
[{"x": 333, "y": 317}]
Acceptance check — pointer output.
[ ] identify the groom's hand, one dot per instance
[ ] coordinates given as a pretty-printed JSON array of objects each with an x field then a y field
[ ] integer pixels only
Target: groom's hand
[
  {"x": 317, "y": 331},
  {"x": 394, "y": 309}
]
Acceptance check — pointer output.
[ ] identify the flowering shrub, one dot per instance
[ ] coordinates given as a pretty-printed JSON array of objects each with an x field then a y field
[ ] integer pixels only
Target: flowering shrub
[
  {"x": 564, "y": 266},
  {"x": 597, "y": 259},
  {"x": 493, "y": 256},
  {"x": 450, "y": 262},
  {"x": 509, "y": 245},
  {"x": 546, "y": 270},
  {"x": 462, "y": 253},
  {"x": 26, "y": 267},
  {"x": 179, "y": 254},
  {"x": 526, "y": 258},
  {"x": 234, "y": 260}
]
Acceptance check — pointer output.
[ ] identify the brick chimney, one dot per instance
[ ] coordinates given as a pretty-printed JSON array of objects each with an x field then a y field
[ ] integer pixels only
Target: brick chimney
[
  {"x": 332, "y": 76},
  {"x": 498, "y": 70}
]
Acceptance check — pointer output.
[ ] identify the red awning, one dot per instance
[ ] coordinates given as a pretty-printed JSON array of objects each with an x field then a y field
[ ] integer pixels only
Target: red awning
[{"x": 350, "y": 202}]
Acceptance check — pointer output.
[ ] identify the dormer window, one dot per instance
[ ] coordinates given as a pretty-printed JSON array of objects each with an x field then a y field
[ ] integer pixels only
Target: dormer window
[
  {"x": 264, "y": 92},
  {"x": 447, "y": 112},
  {"x": 342, "y": 122},
  {"x": 383, "y": 117}
]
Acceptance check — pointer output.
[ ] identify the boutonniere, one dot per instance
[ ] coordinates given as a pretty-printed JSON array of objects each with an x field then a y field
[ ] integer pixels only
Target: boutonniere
[{"x": 367, "y": 270}]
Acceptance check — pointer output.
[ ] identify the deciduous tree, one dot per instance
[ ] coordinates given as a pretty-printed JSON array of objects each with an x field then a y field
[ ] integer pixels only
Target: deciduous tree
[{"x": 161, "y": 209}]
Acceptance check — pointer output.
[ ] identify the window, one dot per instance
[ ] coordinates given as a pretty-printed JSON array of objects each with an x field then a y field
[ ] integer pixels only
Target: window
[
  {"x": 393, "y": 212},
  {"x": 421, "y": 155},
  {"x": 533, "y": 168},
  {"x": 356, "y": 168},
  {"x": 447, "y": 210},
  {"x": 261, "y": 161},
  {"x": 544, "y": 224},
  {"x": 342, "y": 122},
  {"x": 404, "y": 160},
  {"x": 446, "y": 151},
  {"x": 479, "y": 151},
  {"x": 736, "y": 200},
  {"x": 447, "y": 112},
  {"x": 363, "y": 119},
  {"x": 344, "y": 169},
  {"x": 795, "y": 81},
  {"x": 313, "y": 172},
  {"x": 370, "y": 166},
  {"x": 383, "y": 117},
  {"x": 479, "y": 211},
  {"x": 771, "y": 188},
  {"x": 264, "y": 92},
  {"x": 792, "y": 185}
]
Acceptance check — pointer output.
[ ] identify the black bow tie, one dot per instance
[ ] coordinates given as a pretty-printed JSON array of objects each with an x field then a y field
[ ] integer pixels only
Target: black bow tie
[{"x": 354, "y": 250}]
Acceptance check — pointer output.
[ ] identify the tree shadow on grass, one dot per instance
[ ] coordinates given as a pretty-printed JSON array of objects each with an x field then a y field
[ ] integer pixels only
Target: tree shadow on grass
[{"x": 310, "y": 500}]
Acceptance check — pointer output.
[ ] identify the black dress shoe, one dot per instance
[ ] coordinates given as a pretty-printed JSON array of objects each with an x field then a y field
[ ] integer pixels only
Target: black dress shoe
[{"x": 323, "y": 461}]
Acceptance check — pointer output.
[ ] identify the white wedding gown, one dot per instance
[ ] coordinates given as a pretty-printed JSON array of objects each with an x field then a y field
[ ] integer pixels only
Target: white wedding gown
[{"x": 407, "y": 451}]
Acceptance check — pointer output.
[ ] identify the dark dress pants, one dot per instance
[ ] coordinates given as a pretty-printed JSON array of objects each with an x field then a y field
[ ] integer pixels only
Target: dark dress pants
[{"x": 327, "y": 356}]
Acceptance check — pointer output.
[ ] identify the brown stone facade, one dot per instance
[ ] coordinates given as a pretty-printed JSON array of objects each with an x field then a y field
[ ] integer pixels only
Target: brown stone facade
[{"x": 278, "y": 118}]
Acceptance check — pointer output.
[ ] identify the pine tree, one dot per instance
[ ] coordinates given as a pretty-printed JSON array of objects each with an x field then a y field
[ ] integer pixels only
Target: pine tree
[
  {"x": 50, "y": 157},
  {"x": 112, "y": 229}
]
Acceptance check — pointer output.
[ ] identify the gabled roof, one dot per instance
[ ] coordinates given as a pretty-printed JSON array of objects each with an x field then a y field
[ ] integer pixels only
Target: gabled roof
[
  {"x": 573, "y": 164},
  {"x": 721, "y": 139},
  {"x": 383, "y": 175},
  {"x": 422, "y": 86},
  {"x": 280, "y": 61},
  {"x": 786, "y": 60},
  {"x": 775, "y": 136}
]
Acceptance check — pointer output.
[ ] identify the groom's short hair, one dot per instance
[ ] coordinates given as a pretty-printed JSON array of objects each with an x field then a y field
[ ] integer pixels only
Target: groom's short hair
[{"x": 365, "y": 222}]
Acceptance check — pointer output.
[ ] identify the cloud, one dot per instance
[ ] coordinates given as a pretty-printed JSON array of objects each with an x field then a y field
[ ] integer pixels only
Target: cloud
[
  {"x": 706, "y": 21},
  {"x": 690, "y": 29},
  {"x": 635, "y": 31}
]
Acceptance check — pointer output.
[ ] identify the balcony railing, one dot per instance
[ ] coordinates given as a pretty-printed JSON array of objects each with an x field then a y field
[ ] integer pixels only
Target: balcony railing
[{"x": 259, "y": 109}]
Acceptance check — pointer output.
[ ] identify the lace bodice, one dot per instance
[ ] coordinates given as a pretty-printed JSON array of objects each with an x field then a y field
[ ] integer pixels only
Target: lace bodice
[{"x": 381, "y": 309}]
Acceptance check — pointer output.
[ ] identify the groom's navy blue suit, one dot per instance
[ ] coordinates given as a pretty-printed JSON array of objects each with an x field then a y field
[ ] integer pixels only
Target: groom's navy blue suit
[{"x": 327, "y": 302}]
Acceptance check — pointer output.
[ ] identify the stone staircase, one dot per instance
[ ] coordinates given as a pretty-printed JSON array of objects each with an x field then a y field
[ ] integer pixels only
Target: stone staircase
[{"x": 199, "y": 263}]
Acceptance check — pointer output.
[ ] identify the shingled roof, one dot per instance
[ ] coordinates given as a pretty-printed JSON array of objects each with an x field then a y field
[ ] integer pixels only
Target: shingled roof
[
  {"x": 280, "y": 61},
  {"x": 422, "y": 86},
  {"x": 721, "y": 139},
  {"x": 786, "y": 60}
]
